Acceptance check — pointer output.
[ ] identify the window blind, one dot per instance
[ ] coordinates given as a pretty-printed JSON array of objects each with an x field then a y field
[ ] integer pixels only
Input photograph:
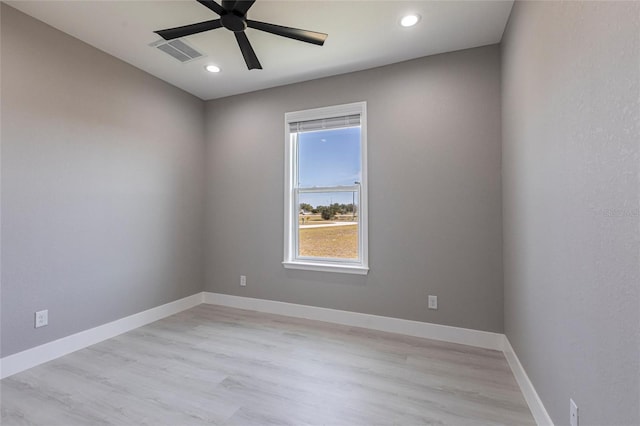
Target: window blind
[{"x": 325, "y": 123}]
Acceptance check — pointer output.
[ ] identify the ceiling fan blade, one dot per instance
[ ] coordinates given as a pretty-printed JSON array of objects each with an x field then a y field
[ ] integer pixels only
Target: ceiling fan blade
[
  {"x": 212, "y": 5},
  {"x": 177, "y": 32},
  {"x": 242, "y": 6},
  {"x": 228, "y": 4},
  {"x": 294, "y": 33},
  {"x": 247, "y": 51}
]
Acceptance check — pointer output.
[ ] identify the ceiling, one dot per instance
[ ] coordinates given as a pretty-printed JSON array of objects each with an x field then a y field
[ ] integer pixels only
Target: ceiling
[{"x": 362, "y": 34}]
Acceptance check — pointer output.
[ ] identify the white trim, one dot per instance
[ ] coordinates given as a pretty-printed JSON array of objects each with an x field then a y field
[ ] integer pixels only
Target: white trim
[
  {"x": 29, "y": 358},
  {"x": 24, "y": 360},
  {"x": 291, "y": 195},
  {"x": 327, "y": 267},
  {"x": 465, "y": 336},
  {"x": 526, "y": 387},
  {"x": 363, "y": 214},
  {"x": 325, "y": 112}
]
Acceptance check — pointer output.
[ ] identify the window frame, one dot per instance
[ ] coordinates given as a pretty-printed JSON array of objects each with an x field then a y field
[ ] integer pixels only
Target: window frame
[{"x": 291, "y": 205}]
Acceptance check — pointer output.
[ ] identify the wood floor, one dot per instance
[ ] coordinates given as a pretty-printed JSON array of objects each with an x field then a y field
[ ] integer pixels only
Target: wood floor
[{"x": 217, "y": 365}]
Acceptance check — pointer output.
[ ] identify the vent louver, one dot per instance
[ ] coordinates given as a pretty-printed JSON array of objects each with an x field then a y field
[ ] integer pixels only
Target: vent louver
[{"x": 177, "y": 49}]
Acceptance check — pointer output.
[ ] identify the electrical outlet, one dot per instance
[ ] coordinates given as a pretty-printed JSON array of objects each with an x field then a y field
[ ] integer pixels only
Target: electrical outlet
[
  {"x": 573, "y": 413},
  {"x": 243, "y": 280},
  {"x": 433, "y": 302},
  {"x": 42, "y": 318}
]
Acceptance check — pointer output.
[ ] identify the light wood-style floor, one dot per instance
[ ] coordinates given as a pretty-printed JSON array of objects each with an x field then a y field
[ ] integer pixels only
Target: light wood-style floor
[{"x": 217, "y": 365}]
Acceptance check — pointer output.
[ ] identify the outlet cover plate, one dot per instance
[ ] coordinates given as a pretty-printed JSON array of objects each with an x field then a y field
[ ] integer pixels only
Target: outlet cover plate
[
  {"x": 42, "y": 318},
  {"x": 433, "y": 302},
  {"x": 573, "y": 413}
]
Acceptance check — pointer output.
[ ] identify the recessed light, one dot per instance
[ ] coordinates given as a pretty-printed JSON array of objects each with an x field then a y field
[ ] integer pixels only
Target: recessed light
[
  {"x": 409, "y": 20},
  {"x": 212, "y": 68}
]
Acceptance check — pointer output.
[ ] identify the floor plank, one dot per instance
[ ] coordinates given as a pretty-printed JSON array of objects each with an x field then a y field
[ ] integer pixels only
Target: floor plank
[{"x": 219, "y": 365}]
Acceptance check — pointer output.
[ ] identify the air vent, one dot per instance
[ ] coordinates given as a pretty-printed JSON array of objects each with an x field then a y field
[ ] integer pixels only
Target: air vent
[{"x": 177, "y": 49}]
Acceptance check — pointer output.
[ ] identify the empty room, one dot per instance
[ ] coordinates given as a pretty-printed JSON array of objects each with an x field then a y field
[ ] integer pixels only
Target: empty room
[{"x": 316, "y": 212}]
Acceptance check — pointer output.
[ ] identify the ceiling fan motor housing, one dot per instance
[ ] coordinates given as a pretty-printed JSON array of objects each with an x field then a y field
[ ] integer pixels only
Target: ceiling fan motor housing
[{"x": 234, "y": 21}]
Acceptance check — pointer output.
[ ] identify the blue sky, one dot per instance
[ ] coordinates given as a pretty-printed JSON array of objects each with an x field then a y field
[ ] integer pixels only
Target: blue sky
[{"x": 329, "y": 158}]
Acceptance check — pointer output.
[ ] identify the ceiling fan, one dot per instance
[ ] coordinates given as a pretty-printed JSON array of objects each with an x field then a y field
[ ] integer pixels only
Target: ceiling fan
[{"x": 233, "y": 16}]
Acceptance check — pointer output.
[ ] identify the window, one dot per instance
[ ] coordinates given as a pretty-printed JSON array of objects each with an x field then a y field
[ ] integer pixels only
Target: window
[{"x": 326, "y": 189}]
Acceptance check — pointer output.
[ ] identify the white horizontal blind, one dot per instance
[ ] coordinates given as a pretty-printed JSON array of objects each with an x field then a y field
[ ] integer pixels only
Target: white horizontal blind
[
  {"x": 325, "y": 123},
  {"x": 318, "y": 189}
]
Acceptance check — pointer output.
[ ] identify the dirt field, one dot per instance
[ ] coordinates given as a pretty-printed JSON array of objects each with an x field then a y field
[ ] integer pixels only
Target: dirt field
[{"x": 331, "y": 241}]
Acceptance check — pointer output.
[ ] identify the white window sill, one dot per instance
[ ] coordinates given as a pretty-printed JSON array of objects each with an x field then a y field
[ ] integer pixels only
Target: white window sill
[{"x": 326, "y": 267}]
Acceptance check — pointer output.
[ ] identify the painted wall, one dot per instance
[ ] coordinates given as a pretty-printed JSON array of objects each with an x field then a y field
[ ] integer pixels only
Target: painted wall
[
  {"x": 102, "y": 186},
  {"x": 434, "y": 192},
  {"x": 571, "y": 163}
]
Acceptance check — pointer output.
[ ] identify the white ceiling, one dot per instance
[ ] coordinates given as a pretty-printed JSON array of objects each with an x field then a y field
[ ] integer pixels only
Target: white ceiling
[{"x": 362, "y": 34}]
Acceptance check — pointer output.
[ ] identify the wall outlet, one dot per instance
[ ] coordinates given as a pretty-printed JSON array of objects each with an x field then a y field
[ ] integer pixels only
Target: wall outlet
[
  {"x": 42, "y": 318},
  {"x": 433, "y": 302},
  {"x": 573, "y": 413},
  {"x": 243, "y": 280}
]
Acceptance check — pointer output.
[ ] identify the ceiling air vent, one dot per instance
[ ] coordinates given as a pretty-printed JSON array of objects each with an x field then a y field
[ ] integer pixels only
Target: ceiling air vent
[{"x": 177, "y": 49}]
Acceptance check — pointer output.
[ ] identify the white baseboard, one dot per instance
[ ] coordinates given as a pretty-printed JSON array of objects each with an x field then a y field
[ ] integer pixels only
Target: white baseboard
[
  {"x": 482, "y": 339},
  {"x": 465, "y": 336},
  {"x": 29, "y": 358},
  {"x": 24, "y": 360},
  {"x": 526, "y": 387}
]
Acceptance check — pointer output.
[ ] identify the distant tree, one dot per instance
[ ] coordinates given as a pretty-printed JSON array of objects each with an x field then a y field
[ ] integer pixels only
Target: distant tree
[
  {"x": 341, "y": 208},
  {"x": 306, "y": 207},
  {"x": 325, "y": 212},
  {"x": 329, "y": 212}
]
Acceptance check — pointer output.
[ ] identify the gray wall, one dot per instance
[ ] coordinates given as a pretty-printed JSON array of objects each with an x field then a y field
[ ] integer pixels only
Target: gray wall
[
  {"x": 102, "y": 186},
  {"x": 434, "y": 194},
  {"x": 571, "y": 163}
]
